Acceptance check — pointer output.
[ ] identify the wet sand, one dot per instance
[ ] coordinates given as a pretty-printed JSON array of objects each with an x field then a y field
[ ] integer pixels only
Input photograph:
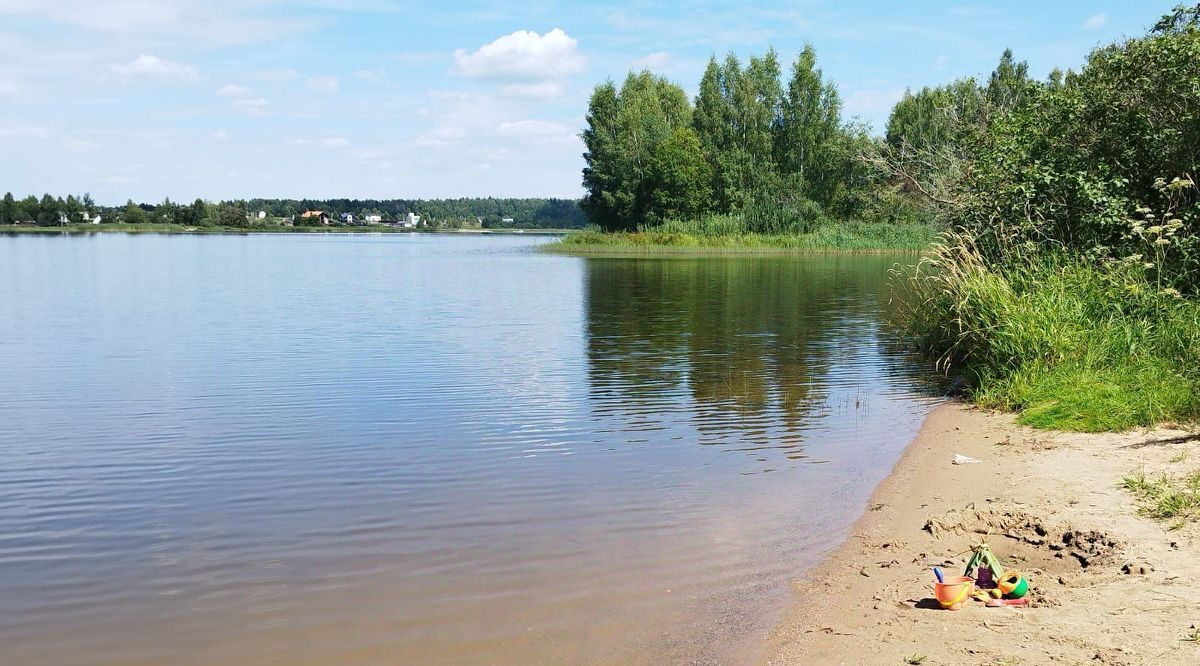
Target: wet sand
[{"x": 1109, "y": 586}]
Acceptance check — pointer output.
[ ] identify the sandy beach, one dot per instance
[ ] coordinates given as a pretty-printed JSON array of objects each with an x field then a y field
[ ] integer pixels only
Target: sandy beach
[{"x": 1108, "y": 586}]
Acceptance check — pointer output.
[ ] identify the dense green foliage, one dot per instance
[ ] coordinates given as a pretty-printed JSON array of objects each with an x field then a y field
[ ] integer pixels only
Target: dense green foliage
[
  {"x": 774, "y": 160},
  {"x": 1070, "y": 291},
  {"x": 435, "y": 213}
]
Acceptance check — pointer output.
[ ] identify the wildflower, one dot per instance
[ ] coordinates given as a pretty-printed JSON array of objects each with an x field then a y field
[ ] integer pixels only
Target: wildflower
[{"x": 1162, "y": 241}]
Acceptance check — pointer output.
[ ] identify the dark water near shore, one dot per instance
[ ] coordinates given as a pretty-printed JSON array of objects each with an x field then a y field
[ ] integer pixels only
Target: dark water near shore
[{"x": 426, "y": 449}]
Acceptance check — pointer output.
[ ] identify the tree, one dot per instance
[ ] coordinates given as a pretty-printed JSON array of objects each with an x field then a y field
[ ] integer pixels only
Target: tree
[
  {"x": 601, "y": 176},
  {"x": 713, "y": 121},
  {"x": 231, "y": 214},
  {"x": 73, "y": 209},
  {"x": 1009, "y": 85},
  {"x": 132, "y": 213},
  {"x": 48, "y": 211},
  {"x": 27, "y": 209},
  {"x": 1180, "y": 19},
  {"x": 8, "y": 209},
  {"x": 197, "y": 213},
  {"x": 681, "y": 177},
  {"x": 810, "y": 122},
  {"x": 624, "y": 132}
]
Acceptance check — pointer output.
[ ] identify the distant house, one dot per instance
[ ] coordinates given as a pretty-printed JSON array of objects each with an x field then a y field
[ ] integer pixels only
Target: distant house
[
  {"x": 89, "y": 218},
  {"x": 506, "y": 220},
  {"x": 373, "y": 218},
  {"x": 347, "y": 218},
  {"x": 410, "y": 220},
  {"x": 262, "y": 214},
  {"x": 320, "y": 215}
]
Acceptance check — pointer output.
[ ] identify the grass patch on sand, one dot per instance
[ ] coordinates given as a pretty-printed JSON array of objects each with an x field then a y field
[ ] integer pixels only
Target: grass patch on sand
[
  {"x": 717, "y": 238},
  {"x": 1069, "y": 344},
  {"x": 1166, "y": 497}
]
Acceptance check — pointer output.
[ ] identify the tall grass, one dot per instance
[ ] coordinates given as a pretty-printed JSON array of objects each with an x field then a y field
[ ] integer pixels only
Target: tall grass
[{"x": 1071, "y": 344}]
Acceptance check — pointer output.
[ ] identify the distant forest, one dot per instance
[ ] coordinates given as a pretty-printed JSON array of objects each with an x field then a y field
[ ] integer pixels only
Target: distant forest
[{"x": 526, "y": 213}]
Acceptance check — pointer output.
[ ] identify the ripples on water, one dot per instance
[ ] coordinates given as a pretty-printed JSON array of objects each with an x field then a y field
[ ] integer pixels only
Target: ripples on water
[{"x": 422, "y": 449}]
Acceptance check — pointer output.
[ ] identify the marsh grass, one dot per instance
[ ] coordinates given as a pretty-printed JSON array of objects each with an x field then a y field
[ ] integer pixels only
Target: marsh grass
[
  {"x": 724, "y": 234},
  {"x": 1166, "y": 497},
  {"x": 1068, "y": 343}
]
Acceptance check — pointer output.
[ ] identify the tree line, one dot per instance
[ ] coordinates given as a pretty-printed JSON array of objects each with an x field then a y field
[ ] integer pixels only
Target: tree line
[
  {"x": 493, "y": 212},
  {"x": 776, "y": 156},
  {"x": 1100, "y": 162}
]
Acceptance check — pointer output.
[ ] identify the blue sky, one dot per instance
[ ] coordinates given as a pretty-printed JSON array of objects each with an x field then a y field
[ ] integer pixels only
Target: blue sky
[{"x": 369, "y": 98}]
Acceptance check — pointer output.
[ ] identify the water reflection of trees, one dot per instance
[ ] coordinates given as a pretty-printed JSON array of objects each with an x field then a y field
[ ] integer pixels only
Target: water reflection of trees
[{"x": 752, "y": 342}]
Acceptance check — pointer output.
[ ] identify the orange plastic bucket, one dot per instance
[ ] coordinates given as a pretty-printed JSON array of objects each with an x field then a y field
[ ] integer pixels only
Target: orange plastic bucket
[{"x": 953, "y": 591}]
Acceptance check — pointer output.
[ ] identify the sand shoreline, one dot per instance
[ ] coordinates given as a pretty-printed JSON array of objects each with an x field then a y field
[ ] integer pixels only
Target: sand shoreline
[{"x": 1110, "y": 587}]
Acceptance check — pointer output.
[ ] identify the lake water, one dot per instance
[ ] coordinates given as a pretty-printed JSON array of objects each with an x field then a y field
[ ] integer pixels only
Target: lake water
[{"x": 419, "y": 449}]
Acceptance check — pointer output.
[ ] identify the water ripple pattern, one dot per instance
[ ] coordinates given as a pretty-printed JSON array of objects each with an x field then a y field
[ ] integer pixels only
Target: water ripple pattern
[{"x": 426, "y": 449}]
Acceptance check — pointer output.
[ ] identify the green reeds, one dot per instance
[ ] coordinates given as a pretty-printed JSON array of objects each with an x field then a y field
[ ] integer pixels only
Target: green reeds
[
  {"x": 1069, "y": 343},
  {"x": 726, "y": 234}
]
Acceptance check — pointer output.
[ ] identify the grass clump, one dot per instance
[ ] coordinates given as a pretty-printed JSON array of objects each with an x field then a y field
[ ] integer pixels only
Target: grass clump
[
  {"x": 1166, "y": 497},
  {"x": 1069, "y": 343}
]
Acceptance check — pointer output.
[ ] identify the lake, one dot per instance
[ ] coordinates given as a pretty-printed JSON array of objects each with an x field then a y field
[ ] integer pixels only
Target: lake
[{"x": 427, "y": 449}]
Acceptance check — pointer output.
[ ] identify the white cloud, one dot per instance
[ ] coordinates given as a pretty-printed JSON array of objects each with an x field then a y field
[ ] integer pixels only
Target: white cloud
[
  {"x": 522, "y": 55},
  {"x": 327, "y": 142},
  {"x": 25, "y": 131},
  {"x": 540, "y": 90},
  {"x": 221, "y": 135},
  {"x": 372, "y": 75},
  {"x": 533, "y": 128},
  {"x": 623, "y": 20},
  {"x": 546, "y": 132},
  {"x": 154, "y": 67},
  {"x": 655, "y": 60},
  {"x": 1095, "y": 21},
  {"x": 323, "y": 84},
  {"x": 232, "y": 90},
  {"x": 255, "y": 106},
  {"x": 445, "y": 135},
  {"x": 208, "y": 21}
]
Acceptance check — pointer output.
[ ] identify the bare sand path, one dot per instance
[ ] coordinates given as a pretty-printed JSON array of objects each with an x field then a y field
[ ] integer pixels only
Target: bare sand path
[{"x": 1109, "y": 586}]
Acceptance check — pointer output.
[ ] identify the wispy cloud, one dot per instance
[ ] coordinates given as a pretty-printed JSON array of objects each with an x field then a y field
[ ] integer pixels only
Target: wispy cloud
[
  {"x": 1095, "y": 21},
  {"x": 255, "y": 106},
  {"x": 323, "y": 84},
  {"x": 156, "y": 68},
  {"x": 232, "y": 90},
  {"x": 325, "y": 142},
  {"x": 656, "y": 60}
]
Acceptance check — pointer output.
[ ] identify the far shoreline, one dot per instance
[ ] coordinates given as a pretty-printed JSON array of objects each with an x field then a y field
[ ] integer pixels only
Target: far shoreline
[{"x": 172, "y": 229}]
